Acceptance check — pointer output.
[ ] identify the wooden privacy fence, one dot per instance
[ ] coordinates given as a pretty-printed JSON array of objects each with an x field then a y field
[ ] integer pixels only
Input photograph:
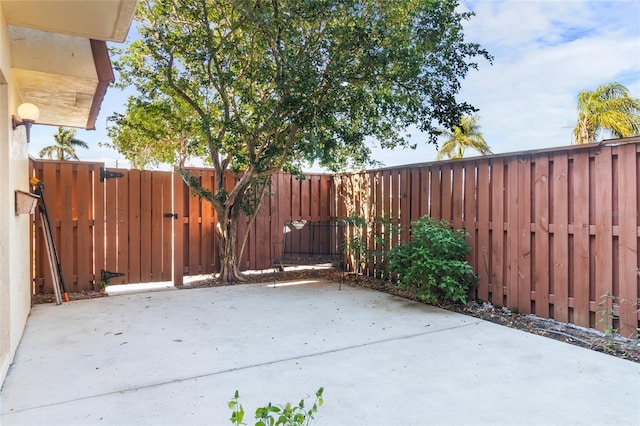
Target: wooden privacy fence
[
  {"x": 148, "y": 227},
  {"x": 552, "y": 232}
]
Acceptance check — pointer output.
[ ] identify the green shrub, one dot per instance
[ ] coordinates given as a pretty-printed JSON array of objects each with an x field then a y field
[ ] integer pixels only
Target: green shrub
[
  {"x": 433, "y": 262},
  {"x": 275, "y": 415}
]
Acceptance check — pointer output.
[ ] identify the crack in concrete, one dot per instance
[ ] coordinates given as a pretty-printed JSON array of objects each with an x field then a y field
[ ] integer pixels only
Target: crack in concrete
[{"x": 246, "y": 367}]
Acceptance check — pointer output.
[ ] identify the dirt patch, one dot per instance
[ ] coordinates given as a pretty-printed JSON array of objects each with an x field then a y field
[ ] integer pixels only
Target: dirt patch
[
  {"x": 50, "y": 298},
  {"x": 584, "y": 337}
]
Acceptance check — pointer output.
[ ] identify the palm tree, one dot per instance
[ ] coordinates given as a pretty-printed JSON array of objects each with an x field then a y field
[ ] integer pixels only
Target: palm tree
[
  {"x": 465, "y": 135},
  {"x": 607, "y": 110},
  {"x": 65, "y": 146}
]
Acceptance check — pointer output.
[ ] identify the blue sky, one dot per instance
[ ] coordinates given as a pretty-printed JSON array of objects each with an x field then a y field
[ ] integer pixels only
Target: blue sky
[{"x": 545, "y": 52}]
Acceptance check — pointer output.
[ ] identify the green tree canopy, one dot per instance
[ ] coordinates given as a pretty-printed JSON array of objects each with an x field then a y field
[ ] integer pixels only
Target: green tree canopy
[
  {"x": 64, "y": 147},
  {"x": 465, "y": 135},
  {"x": 608, "y": 110},
  {"x": 262, "y": 86},
  {"x": 153, "y": 132}
]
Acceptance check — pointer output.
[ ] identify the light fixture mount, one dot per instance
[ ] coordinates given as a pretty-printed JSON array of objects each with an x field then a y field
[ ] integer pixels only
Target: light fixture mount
[{"x": 28, "y": 114}]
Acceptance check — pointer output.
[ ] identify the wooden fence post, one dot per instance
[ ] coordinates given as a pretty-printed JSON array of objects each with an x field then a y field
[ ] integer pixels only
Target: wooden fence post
[{"x": 177, "y": 259}]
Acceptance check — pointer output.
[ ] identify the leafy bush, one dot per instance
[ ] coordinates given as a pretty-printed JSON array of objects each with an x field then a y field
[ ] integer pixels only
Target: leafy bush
[
  {"x": 433, "y": 262},
  {"x": 286, "y": 415}
]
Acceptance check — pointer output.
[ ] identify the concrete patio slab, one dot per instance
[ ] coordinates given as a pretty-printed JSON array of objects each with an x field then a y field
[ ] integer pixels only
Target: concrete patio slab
[{"x": 177, "y": 357}]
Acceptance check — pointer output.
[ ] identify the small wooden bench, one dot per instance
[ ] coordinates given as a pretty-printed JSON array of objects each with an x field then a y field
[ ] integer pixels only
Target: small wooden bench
[{"x": 310, "y": 243}]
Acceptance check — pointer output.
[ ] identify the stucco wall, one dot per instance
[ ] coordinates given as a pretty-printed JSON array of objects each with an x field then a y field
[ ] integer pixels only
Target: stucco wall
[{"x": 15, "y": 286}]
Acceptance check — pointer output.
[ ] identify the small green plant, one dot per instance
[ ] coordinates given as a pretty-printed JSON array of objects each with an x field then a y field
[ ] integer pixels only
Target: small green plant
[
  {"x": 606, "y": 313},
  {"x": 381, "y": 238},
  {"x": 355, "y": 246},
  {"x": 606, "y": 317},
  {"x": 433, "y": 262},
  {"x": 275, "y": 415}
]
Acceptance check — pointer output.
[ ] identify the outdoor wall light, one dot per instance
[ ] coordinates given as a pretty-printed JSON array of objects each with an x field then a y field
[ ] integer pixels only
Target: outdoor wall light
[{"x": 28, "y": 114}]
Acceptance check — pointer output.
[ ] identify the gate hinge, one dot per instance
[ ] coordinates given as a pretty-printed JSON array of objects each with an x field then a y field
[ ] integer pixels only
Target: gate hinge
[
  {"x": 105, "y": 276},
  {"x": 173, "y": 215},
  {"x": 108, "y": 174}
]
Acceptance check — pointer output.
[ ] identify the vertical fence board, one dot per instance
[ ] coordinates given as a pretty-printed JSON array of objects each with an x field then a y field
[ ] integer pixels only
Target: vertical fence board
[
  {"x": 378, "y": 227},
  {"x": 416, "y": 191},
  {"x": 628, "y": 241},
  {"x": 207, "y": 224},
  {"x": 305, "y": 210},
  {"x": 97, "y": 219},
  {"x": 512, "y": 259},
  {"x": 296, "y": 204},
  {"x": 284, "y": 209},
  {"x": 314, "y": 184},
  {"x": 580, "y": 274},
  {"x": 262, "y": 259},
  {"x": 244, "y": 261},
  {"x": 470, "y": 213},
  {"x": 497, "y": 232},
  {"x": 386, "y": 209},
  {"x": 446, "y": 191},
  {"x": 121, "y": 185},
  {"x": 275, "y": 232},
  {"x": 84, "y": 227},
  {"x": 98, "y": 227},
  {"x": 195, "y": 237},
  {"x": 436, "y": 193},
  {"x": 604, "y": 237},
  {"x": 404, "y": 213},
  {"x": 65, "y": 244},
  {"x": 394, "y": 214},
  {"x": 371, "y": 229},
  {"x": 560, "y": 237},
  {"x": 133, "y": 215},
  {"x": 425, "y": 174},
  {"x": 111, "y": 225},
  {"x": 483, "y": 256},
  {"x": 52, "y": 196},
  {"x": 305, "y": 199},
  {"x": 524, "y": 235},
  {"x": 167, "y": 226},
  {"x": 541, "y": 236},
  {"x": 177, "y": 259},
  {"x": 145, "y": 226},
  {"x": 326, "y": 198},
  {"x": 458, "y": 195}
]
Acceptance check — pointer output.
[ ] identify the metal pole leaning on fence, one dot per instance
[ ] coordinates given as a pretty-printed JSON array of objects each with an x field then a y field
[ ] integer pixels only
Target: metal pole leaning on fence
[{"x": 52, "y": 252}]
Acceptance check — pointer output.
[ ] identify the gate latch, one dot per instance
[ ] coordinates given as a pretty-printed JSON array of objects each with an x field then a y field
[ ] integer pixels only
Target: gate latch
[{"x": 173, "y": 215}]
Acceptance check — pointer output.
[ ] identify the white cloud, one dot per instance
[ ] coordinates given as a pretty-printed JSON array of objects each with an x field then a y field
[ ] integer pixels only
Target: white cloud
[{"x": 545, "y": 52}]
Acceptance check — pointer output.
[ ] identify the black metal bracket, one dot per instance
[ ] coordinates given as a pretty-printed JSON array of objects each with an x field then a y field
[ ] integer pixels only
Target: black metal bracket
[
  {"x": 108, "y": 174},
  {"x": 173, "y": 215},
  {"x": 105, "y": 276}
]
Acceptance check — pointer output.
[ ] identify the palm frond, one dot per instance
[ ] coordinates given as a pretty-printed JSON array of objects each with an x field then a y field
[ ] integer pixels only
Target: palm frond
[
  {"x": 465, "y": 135},
  {"x": 607, "y": 110},
  {"x": 64, "y": 146}
]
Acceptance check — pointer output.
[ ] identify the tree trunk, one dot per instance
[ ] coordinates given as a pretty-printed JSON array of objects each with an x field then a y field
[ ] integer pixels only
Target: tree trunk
[
  {"x": 227, "y": 237},
  {"x": 229, "y": 207}
]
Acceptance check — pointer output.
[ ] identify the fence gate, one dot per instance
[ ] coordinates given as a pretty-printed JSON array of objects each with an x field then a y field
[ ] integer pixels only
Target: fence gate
[
  {"x": 132, "y": 226},
  {"x": 138, "y": 226},
  {"x": 110, "y": 225}
]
